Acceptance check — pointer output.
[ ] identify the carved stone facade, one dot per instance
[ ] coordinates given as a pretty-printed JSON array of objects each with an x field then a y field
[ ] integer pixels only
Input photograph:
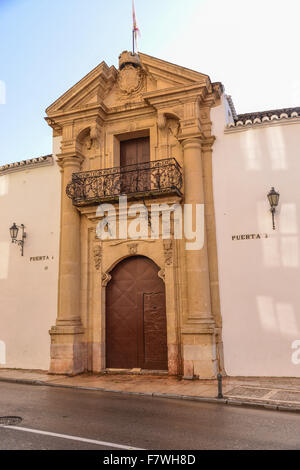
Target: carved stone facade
[
  {"x": 168, "y": 251},
  {"x": 98, "y": 256},
  {"x": 171, "y": 105}
]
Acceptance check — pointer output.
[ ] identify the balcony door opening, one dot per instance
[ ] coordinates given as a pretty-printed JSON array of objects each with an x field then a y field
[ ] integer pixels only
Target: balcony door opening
[
  {"x": 135, "y": 165},
  {"x": 135, "y": 151}
]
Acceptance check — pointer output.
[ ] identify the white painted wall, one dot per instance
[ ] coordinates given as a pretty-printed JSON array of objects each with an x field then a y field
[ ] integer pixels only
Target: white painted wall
[
  {"x": 28, "y": 289},
  {"x": 259, "y": 279}
]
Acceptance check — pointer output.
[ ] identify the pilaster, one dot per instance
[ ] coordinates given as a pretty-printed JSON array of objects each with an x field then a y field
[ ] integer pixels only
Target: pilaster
[
  {"x": 198, "y": 329},
  {"x": 67, "y": 347}
]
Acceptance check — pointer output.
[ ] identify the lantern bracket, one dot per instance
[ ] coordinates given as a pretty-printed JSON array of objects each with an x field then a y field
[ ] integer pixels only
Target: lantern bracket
[
  {"x": 14, "y": 230},
  {"x": 273, "y": 197}
]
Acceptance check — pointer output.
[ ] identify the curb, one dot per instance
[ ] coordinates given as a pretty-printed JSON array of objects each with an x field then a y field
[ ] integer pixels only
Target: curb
[{"x": 170, "y": 396}]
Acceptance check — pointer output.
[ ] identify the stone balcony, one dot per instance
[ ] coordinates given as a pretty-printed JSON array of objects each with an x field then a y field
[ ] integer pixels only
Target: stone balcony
[{"x": 151, "y": 179}]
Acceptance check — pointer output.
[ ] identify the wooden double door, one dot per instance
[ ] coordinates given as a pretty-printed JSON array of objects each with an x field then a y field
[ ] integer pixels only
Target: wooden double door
[
  {"x": 135, "y": 151},
  {"x": 135, "y": 165},
  {"x": 136, "y": 329}
]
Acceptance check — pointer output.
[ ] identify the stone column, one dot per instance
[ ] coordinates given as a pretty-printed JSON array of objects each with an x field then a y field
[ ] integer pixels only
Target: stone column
[
  {"x": 196, "y": 261},
  {"x": 207, "y": 150},
  {"x": 199, "y": 351},
  {"x": 67, "y": 347}
]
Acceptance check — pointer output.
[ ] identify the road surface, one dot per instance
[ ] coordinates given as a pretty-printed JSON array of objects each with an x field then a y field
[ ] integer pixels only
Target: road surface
[{"x": 58, "y": 418}]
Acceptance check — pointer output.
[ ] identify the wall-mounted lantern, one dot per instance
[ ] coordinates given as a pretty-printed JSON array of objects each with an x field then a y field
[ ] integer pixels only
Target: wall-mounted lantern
[
  {"x": 273, "y": 197},
  {"x": 14, "y": 230}
]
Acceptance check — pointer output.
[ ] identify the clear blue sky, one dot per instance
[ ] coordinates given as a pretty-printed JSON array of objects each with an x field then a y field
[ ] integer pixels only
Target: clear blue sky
[{"x": 46, "y": 46}]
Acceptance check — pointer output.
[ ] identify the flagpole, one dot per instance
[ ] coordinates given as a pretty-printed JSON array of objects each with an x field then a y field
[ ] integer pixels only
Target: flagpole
[
  {"x": 133, "y": 14},
  {"x": 133, "y": 41},
  {"x": 135, "y": 29}
]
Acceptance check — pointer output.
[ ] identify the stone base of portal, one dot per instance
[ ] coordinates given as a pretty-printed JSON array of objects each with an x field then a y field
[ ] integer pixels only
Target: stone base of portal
[
  {"x": 173, "y": 360},
  {"x": 199, "y": 353},
  {"x": 68, "y": 351}
]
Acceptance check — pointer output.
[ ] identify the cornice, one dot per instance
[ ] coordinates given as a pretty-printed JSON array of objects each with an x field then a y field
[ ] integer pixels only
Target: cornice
[
  {"x": 86, "y": 112},
  {"x": 191, "y": 136},
  {"x": 133, "y": 106},
  {"x": 142, "y": 112},
  {"x": 29, "y": 164},
  {"x": 258, "y": 124},
  {"x": 281, "y": 112},
  {"x": 172, "y": 71},
  {"x": 272, "y": 117},
  {"x": 102, "y": 70},
  {"x": 99, "y": 111},
  {"x": 70, "y": 159},
  {"x": 168, "y": 95}
]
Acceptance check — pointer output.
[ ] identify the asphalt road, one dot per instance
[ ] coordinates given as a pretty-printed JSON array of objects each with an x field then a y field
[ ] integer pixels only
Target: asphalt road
[{"x": 140, "y": 422}]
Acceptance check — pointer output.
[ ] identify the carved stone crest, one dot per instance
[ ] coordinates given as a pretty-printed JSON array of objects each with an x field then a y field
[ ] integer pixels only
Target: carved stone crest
[
  {"x": 168, "y": 251},
  {"x": 130, "y": 79}
]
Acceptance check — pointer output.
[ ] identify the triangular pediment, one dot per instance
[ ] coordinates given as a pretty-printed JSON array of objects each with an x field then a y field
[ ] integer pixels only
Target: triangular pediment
[
  {"x": 87, "y": 92},
  {"x": 100, "y": 86},
  {"x": 169, "y": 75}
]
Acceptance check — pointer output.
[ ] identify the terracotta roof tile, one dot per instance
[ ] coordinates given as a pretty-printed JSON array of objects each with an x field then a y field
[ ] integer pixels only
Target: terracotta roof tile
[
  {"x": 269, "y": 114},
  {"x": 25, "y": 164}
]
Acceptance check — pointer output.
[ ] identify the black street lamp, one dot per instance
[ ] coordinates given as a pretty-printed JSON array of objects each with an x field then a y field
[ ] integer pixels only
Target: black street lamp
[
  {"x": 273, "y": 197},
  {"x": 14, "y": 230}
]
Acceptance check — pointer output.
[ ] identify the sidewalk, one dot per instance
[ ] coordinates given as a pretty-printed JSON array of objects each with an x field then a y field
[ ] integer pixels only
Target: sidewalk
[{"x": 281, "y": 394}]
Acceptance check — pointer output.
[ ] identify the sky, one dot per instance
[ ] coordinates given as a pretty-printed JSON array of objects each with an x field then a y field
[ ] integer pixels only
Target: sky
[{"x": 46, "y": 46}]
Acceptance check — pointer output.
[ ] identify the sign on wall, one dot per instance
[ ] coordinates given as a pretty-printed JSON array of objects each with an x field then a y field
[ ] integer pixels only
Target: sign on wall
[{"x": 255, "y": 236}]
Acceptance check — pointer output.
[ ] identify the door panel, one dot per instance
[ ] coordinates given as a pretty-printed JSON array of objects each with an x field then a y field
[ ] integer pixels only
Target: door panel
[
  {"x": 136, "y": 333},
  {"x": 135, "y": 152},
  {"x": 155, "y": 334}
]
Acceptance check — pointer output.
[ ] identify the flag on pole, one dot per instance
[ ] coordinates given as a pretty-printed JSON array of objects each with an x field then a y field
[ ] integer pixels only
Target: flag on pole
[{"x": 135, "y": 30}]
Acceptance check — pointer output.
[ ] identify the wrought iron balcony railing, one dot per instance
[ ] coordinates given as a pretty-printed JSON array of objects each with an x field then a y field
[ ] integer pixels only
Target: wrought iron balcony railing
[{"x": 140, "y": 180}]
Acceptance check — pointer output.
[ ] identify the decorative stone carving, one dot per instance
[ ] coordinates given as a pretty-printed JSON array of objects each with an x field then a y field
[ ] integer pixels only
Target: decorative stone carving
[
  {"x": 93, "y": 138},
  {"x": 133, "y": 248},
  {"x": 97, "y": 256},
  {"x": 174, "y": 128},
  {"x": 106, "y": 277},
  {"x": 128, "y": 57},
  {"x": 94, "y": 132},
  {"x": 168, "y": 251},
  {"x": 162, "y": 274},
  {"x": 130, "y": 79}
]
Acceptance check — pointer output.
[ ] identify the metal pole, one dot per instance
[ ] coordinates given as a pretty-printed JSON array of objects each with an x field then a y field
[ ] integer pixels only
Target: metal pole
[
  {"x": 220, "y": 386},
  {"x": 273, "y": 217},
  {"x": 133, "y": 41}
]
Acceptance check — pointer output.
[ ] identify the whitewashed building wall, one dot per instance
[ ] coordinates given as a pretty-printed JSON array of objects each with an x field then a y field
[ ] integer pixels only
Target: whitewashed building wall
[
  {"x": 259, "y": 278},
  {"x": 29, "y": 195}
]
